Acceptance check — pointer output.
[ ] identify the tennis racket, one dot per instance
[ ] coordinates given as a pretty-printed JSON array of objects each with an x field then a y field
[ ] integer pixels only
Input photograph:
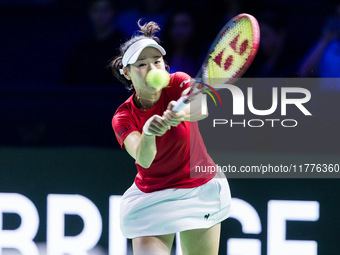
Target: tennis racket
[{"x": 229, "y": 56}]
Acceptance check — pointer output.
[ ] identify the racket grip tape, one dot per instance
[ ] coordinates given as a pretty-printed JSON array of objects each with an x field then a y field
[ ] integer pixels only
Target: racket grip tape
[{"x": 181, "y": 102}]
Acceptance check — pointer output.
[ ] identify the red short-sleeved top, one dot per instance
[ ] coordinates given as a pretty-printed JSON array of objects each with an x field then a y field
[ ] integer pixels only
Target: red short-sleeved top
[{"x": 179, "y": 150}]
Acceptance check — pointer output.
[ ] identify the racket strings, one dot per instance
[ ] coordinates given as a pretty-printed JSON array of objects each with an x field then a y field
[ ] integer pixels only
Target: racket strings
[{"x": 230, "y": 54}]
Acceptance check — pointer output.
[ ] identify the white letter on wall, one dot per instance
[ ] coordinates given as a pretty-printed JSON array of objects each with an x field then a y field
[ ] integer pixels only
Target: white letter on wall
[
  {"x": 251, "y": 224},
  {"x": 22, "y": 237},
  {"x": 117, "y": 242},
  {"x": 60, "y": 205},
  {"x": 279, "y": 211}
]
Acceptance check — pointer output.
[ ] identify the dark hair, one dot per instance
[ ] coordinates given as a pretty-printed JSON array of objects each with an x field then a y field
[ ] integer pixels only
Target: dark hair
[{"x": 147, "y": 30}]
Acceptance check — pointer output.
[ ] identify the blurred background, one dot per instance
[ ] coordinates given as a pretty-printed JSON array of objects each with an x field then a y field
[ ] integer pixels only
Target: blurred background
[{"x": 57, "y": 99}]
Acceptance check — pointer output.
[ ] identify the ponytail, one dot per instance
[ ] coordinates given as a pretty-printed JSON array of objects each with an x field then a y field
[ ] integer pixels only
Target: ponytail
[{"x": 149, "y": 29}]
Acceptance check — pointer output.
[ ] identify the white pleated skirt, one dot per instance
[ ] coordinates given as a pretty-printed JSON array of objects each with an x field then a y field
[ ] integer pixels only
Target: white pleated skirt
[{"x": 174, "y": 210}]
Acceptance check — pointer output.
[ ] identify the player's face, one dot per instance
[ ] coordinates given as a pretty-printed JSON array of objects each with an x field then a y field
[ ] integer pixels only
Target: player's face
[{"x": 150, "y": 58}]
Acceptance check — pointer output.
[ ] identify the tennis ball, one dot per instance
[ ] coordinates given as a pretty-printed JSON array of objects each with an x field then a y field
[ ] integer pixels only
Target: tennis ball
[{"x": 157, "y": 78}]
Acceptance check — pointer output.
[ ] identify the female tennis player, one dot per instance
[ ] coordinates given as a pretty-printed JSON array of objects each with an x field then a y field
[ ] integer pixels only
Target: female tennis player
[{"x": 168, "y": 194}]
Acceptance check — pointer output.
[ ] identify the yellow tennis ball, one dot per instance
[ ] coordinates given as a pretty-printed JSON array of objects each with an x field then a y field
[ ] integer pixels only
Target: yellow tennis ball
[{"x": 157, "y": 78}]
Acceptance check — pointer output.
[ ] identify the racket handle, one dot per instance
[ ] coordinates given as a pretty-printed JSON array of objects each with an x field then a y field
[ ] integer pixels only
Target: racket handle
[{"x": 181, "y": 102}]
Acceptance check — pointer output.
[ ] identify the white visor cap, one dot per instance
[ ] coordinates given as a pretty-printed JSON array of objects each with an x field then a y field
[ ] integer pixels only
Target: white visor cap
[{"x": 132, "y": 53}]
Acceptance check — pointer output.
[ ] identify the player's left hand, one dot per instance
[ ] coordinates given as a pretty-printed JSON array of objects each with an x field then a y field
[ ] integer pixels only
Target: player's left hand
[{"x": 173, "y": 118}]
